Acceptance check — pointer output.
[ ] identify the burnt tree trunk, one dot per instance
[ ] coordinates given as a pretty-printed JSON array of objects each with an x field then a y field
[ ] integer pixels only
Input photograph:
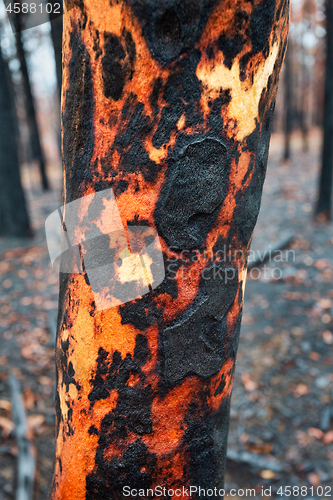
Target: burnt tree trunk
[
  {"x": 287, "y": 103},
  {"x": 36, "y": 146},
  {"x": 169, "y": 104},
  {"x": 324, "y": 204},
  {"x": 14, "y": 220}
]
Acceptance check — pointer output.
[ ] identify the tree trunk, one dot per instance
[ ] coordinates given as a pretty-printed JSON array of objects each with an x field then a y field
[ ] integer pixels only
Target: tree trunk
[
  {"x": 14, "y": 220},
  {"x": 287, "y": 103},
  {"x": 324, "y": 204},
  {"x": 30, "y": 105},
  {"x": 170, "y": 105},
  {"x": 56, "y": 35},
  {"x": 304, "y": 95}
]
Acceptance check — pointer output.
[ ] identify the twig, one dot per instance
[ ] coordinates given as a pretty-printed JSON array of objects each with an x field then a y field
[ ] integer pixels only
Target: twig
[
  {"x": 257, "y": 461},
  {"x": 26, "y": 463},
  {"x": 270, "y": 250}
]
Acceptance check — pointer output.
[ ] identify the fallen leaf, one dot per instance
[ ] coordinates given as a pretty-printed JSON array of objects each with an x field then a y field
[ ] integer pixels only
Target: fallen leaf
[
  {"x": 5, "y": 405},
  {"x": 315, "y": 356},
  {"x": 260, "y": 448},
  {"x": 324, "y": 303},
  {"x": 29, "y": 399},
  {"x": 322, "y": 263},
  {"x": 267, "y": 474},
  {"x": 35, "y": 421},
  {"x": 328, "y": 437},
  {"x": 248, "y": 382},
  {"x": 301, "y": 390},
  {"x": 6, "y": 425},
  {"x": 328, "y": 337},
  {"x": 314, "y": 479},
  {"x": 316, "y": 433},
  {"x": 45, "y": 380},
  {"x": 244, "y": 438}
]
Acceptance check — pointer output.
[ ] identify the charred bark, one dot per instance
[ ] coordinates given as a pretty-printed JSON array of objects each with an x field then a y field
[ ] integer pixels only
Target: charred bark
[
  {"x": 36, "y": 146},
  {"x": 170, "y": 105},
  {"x": 14, "y": 220},
  {"x": 324, "y": 204}
]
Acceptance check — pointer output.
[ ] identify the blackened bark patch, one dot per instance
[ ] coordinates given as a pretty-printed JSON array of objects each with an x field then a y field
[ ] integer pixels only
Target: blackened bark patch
[
  {"x": 261, "y": 23},
  {"x": 78, "y": 133},
  {"x": 182, "y": 92},
  {"x": 117, "y": 63},
  {"x": 193, "y": 193},
  {"x": 248, "y": 200},
  {"x": 155, "y": 94},
  {"x": 133, "y": 469},
  {"x": 260, "y": 27},
  {"x": 195, "y": 344},
  {"x": 171, "y": 27},
  {"x": 141, "y": 313},
  {"x": 169, "y": 118},
  {"x": 230, "y": 47},
  {"x": 129, "y": 142},
  {"x": 92, "y": 431},
  {"x": 206, "y": 442},
  {"x": 136, "y": 159},
  {"x": 141, "y": 351},
  {"x": 132, "y": 414}
]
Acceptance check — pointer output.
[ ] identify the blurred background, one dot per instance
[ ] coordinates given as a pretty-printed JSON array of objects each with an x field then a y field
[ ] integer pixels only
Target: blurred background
[{"x": 281, "y": 428}]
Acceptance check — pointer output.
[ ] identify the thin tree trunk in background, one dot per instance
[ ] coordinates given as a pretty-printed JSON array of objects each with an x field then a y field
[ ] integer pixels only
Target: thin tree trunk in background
[
  {"x": 324, "y": 204},
  {"x": 30, "y": 106},
  {"x": 170, "y": 105},
  {"x": 56, "y": 35},
  {"x": 304, "y": 97},
  {"x": 14, "y": 220},
  {"x": 287, "y": 103}
]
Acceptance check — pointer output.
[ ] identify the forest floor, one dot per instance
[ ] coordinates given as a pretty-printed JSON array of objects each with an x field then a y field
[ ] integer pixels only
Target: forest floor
[{"x": 281, "y": 427}]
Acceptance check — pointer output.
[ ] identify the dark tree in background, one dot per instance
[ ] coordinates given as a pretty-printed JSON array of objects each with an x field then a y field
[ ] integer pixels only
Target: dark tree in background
[
  {"x": 36, "y": 146},
  {"x": 287, "y": 101},
  {"x": 56, "y": 35},
  {"x": 324, "y": 204},
  {"x": 14, "y": 220}
]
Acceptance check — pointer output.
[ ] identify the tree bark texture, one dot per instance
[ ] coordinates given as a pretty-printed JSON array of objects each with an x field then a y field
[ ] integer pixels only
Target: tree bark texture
[
  {"x": 170, "y": 104},
  {"x": 36, "y": 146},
  {"x": 14, "y": 220},
  {"x": 324, "y": 205}
]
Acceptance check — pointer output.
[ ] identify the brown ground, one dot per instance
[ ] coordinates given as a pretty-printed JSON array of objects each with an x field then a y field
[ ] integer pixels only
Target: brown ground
[{"x": 283, "y": 391}]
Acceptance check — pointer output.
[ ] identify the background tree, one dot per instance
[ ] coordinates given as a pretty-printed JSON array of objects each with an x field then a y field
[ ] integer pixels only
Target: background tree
[
  {"x": 56, "y": 35},
  {"x": 288, "y": 111},
  {"x": 324, "y": 204},
  {"x": 14, "y": 220},
  {"x": 36, "y": 146},
  {"x": 169, "y": 104}
]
